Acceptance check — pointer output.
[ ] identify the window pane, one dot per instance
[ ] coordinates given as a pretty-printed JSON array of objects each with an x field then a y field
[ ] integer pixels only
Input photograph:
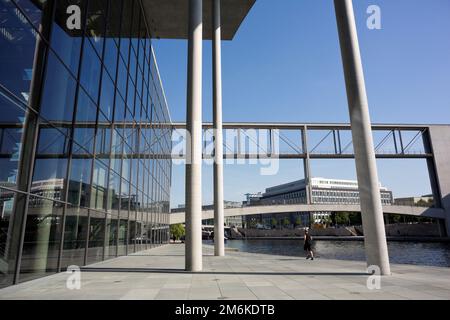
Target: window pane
[
  {"x": 110, "y": 59},
  {"x": 33, "y": 10},
  {"x": 10, "y": 140},
  {"x": 122, "y": 77},
  {"x": 50, "y": 164},
  {"x": 7, "y": 259},
  {"x": 48, "y": 178},
  {"x": 114, "y": 193},
  {"x": 107, "y": 97},
  {"x": 99, "y": 185},
  {"x": 116, "y": 151},
  {"x": 59, "y": 92},
  {"x": 123, "y": 229},
  {"x": 52, "y": 142},
  {"x": 111, "y": 236},
  {"x": 17, "y": 46},
  {"x": 90, "y": 71},
  {"x": 103, "y": 141},
  {"x": 96, "y": 236},
  {"x": 42, "y": 239},
  {"x": 79, "y": 183},
  {"x": 75, "y": 233}
]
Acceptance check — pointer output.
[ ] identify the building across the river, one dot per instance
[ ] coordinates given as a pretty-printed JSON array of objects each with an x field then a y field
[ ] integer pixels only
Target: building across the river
[{"x": 322, "y": 191}]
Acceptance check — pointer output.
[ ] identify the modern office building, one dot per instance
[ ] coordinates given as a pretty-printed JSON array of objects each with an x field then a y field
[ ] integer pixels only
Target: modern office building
[
  {"x": 323, "y": 191},
  {"x": 422, "y": 201},
  {"x": 84, "y": 134}
]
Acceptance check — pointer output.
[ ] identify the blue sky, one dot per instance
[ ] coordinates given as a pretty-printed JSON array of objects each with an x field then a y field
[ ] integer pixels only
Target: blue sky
[{"x": 284, "y": 65}]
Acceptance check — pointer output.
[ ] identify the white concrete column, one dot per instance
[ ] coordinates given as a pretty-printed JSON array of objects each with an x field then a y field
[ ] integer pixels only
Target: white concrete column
[
  {"x": 366, "y": 168},
  {"x": 219, "y": 242},
  {"x": 194, "y": 139}
]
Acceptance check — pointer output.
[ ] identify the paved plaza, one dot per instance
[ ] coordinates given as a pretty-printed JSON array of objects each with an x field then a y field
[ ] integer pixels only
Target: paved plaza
[{"x": 158, "y": 274}]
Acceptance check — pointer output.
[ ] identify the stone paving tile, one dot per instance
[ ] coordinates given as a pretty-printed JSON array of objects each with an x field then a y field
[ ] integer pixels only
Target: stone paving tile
[
  {"x": 204, "y": 293},
  {"x": 270, "y": 293},
  {"x": 172, "y": 294},
  {"x": 177, "y": 286},
  {"x": 444, "y": 294},
  {"x": 140, "y": 294},
  {"x": 237, "y": 293}
]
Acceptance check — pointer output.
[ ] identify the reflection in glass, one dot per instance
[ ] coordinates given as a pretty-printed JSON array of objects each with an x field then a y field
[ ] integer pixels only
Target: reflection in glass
[
  {"x": 107, "y": 97},
  {"x": 6, "y": 258},
  {"x": 11, "y": 123},
  {"x": 42, "y": 238},
  {"x": 114, "y": 192},
  {"x": 75, "y": 233},
  {"x": 90, "y": 71},
  {"x": 111, "y": 236},
  {"x": 110, "y": 59},
  {"x": 99, "y": 183},
  {"x": 96, "y": 236},
  {"x": 59, "y": 91},
  {"x": 123, "y": 228},
  {"x": 17, "y": 42},
  {"x": 79, "y": 182},
  {"x": 48, "y": 179}
]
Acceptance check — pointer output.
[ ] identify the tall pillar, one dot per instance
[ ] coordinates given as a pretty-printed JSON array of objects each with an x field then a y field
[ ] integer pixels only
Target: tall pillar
[
  {"x": 219, "y": 242},
  {"x": 366, "y": 169},
  {"x": 194, "y": 139}
]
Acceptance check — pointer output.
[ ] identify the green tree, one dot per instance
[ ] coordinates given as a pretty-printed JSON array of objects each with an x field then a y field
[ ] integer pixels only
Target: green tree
[
  {"x": 274, "y": 222},
  {"x": 286, "y": 222},
  {"x": 342, "y": 218},
  {"x": 298, "y": 222},
  {"x": 422, "y": 203},
  {"x": 177, "y": 231}
]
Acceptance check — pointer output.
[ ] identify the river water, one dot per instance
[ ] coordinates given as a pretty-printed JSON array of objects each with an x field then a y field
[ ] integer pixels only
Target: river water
[{"x": 418, "y": 253}]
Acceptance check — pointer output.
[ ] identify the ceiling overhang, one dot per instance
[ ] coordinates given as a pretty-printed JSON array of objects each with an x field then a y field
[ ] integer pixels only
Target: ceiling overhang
[{"x": 168, "y": 19}]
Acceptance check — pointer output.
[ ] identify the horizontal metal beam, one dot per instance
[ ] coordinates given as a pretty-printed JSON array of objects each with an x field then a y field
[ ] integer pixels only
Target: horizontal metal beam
[
  {"x": 226, "y": 156},
  {"x": 311, "y": 126},
  {"x": 233, "y": 125}
]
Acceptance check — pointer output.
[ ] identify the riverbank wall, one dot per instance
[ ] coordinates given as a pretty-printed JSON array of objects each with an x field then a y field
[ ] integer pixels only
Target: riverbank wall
[{"x": 417, "y": 230}]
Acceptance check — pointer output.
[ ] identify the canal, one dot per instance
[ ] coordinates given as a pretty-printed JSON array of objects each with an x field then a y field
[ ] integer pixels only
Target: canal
[{"x": 417, "y": 253}]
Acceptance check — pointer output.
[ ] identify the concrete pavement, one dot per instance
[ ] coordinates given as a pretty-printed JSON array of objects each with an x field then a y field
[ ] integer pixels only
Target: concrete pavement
[{"x": 159, "y": 274}]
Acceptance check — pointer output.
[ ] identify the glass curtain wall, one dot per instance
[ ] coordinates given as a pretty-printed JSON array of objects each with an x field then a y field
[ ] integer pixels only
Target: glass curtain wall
[{"x": 85, "y": 136}]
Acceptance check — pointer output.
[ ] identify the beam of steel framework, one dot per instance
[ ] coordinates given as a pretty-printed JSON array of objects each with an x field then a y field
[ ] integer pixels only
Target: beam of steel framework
[
  {"x": 366, "y": 169},
  {"x": 194, "y": 139},
  {"x": 219, "y": 233},
  {"x": 302, "y": 150},
  {"x": 305, "y": 151}
]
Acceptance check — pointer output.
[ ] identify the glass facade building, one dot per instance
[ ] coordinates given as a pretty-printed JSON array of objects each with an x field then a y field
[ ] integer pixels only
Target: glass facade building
[{"x": 85, "y": 136}]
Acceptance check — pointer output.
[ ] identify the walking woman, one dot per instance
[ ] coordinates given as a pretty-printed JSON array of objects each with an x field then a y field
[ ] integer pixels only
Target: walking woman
[{"x": 307, "y": 245}]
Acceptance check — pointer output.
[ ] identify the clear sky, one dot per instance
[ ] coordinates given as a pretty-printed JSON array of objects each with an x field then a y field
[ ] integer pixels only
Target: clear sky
[{"x": 284, "y": 65}]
